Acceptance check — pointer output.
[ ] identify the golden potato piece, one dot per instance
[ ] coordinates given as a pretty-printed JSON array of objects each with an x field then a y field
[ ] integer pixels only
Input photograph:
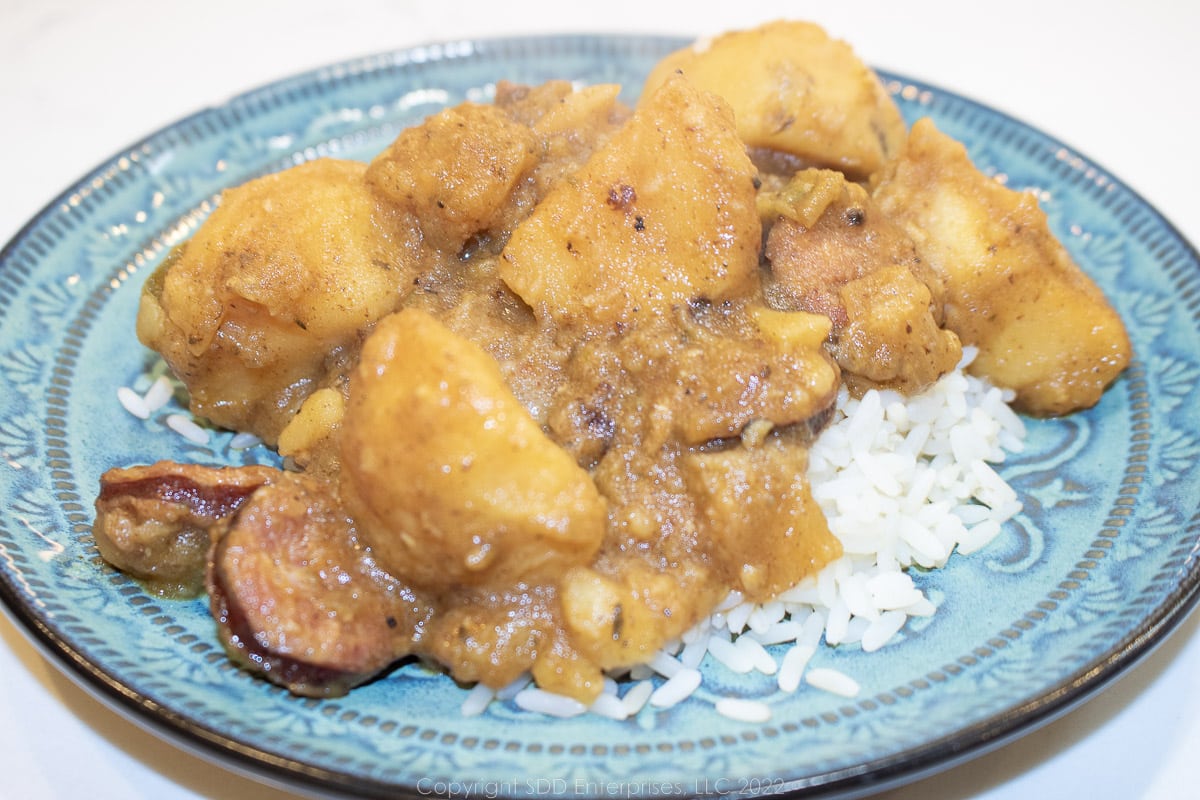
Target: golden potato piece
[
  {"x": 1043, "y": 328},
  {"x": 797, "y": 91},
  {"x": 757, "y": 513},
  {"x": 308, "y": 244},
  {"x": 455, "y": 171},
  {"x": 663, "y": 213},
  {"x": 309, "y": 440},
  {"x": 791, "y": 330},
  {"x": 891, "y": 340},
  {"x": 622, "y": 615},
  {"x": 449, "y": 478},
  {"x": 569, "y": 124},
  {"x": 252, "y": 310}
]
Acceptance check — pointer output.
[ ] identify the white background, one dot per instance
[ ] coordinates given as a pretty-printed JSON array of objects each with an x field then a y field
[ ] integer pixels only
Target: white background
[{"x": 80, "y": 81}]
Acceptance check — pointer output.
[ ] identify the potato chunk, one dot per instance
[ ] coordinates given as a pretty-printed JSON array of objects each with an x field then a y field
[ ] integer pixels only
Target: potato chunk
[
  {"x": 663, "y": 213},
  {"x": 252, "y": 311},
  {"x": 1043, "y": 328},
  {"x": 621, "y": 615},
  {"x": 796, "y": 91},
  {"x": 454, "y": 171},
  {"x": 449, "y": 478},
  {"x": 891, "y": 340},
  {"x": 757, "y": 513}
]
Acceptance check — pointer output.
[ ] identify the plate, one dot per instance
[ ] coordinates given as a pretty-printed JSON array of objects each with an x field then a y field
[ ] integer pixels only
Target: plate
[{"x": 1096, "y": 570}]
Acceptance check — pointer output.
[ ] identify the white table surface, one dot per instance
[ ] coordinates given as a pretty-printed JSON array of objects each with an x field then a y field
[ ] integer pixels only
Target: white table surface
[{"x": 81, "y": 80}]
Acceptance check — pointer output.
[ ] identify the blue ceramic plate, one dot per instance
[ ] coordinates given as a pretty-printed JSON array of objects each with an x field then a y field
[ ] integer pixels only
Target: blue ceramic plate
[{"x": 1095, "y": 571}]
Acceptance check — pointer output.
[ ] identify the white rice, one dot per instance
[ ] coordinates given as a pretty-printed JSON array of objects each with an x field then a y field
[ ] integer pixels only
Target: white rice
[
  {"x": 609, "y": 704},
  {"x": 676, "y": 689},
  {"x": 548, "y": 703},
  {"x": 159, "y": 393},
  {"x": 244, "y": 441},
  {"x": 478, "y": 699},
  {"x": 187, "y": 428},
  {"x": 831, "y": 680},
  {"x": 133, "y": 402},
  {"x": 743, "y": 710},
  {"x": 638, "y": 695},
  {"x": 791, "y": 670}
]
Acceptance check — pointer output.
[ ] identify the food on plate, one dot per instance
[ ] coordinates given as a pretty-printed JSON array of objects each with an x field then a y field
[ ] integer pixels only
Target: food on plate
[
  {"x": 833, "y": 252},
  {"x": 549, "y": 377},
  {"x": 800, "y": 97},
  {"x": 265, "y": 301},
  {"x": 1043, "y": 328},
  {"x": 661, "y": 216},
  {"x": 159, "y": 524},
  {"x": 296, "y": 596}
]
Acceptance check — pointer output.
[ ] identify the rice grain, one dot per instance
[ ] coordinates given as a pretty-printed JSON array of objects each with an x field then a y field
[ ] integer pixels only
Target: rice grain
[
  {"x": 676, "y": 689},
  {"x": 187, "y": 428},
  {"x": 743, "y": 710},
  {"x": 832, "y": 680},
  {"x": 133, "y": 402},
  {"x": 548, "y": 703}
]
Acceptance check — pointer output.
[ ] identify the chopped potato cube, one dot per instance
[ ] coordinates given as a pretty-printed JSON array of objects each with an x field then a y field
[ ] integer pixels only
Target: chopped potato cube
[
  {"x": 797, "y": 91},
  {"x": 1043, "y": 328},
  {"x": 792, "y": 330},
  {"x": 253, "y": 310},
  {"x": 757, "y": 513},
  {"x": 662, "y": 214},
  {"x": 455, "y": 171},
  {"x": 307, "y": 436},
  {"x": 621, "y": 616},
  {"x": 891, "y": 340},
  {"x": 450, "y": 479}
]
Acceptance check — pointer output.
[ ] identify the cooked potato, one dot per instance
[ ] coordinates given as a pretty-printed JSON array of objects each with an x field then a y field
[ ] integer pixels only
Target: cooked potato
[
  {"x": 450, "y": 479},
  {"x": 252, "y": 312},
  {"x": 622, "y": 615},
  {"x": 757, "y": 513},
  {"x": 309, "y": 440},
  {"x": 1043, "y": 328},
  {"x": 455, "y": 171},
  {"x": 796, "y": 91},
  {"x": 662, "y": 214},
  {"x": 569, "y": 124},
  {"x": 890, "y": 339}
]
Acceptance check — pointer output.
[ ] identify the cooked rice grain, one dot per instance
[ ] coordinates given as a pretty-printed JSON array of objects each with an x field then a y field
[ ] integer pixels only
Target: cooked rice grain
[
  {"x": 832, "y": 680},
  {"x": 743, "y": 710},
  {"x": 187, "y": 428},
  {"x": 133, "y": 402},
  {"x": 676, "y": 689}
]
